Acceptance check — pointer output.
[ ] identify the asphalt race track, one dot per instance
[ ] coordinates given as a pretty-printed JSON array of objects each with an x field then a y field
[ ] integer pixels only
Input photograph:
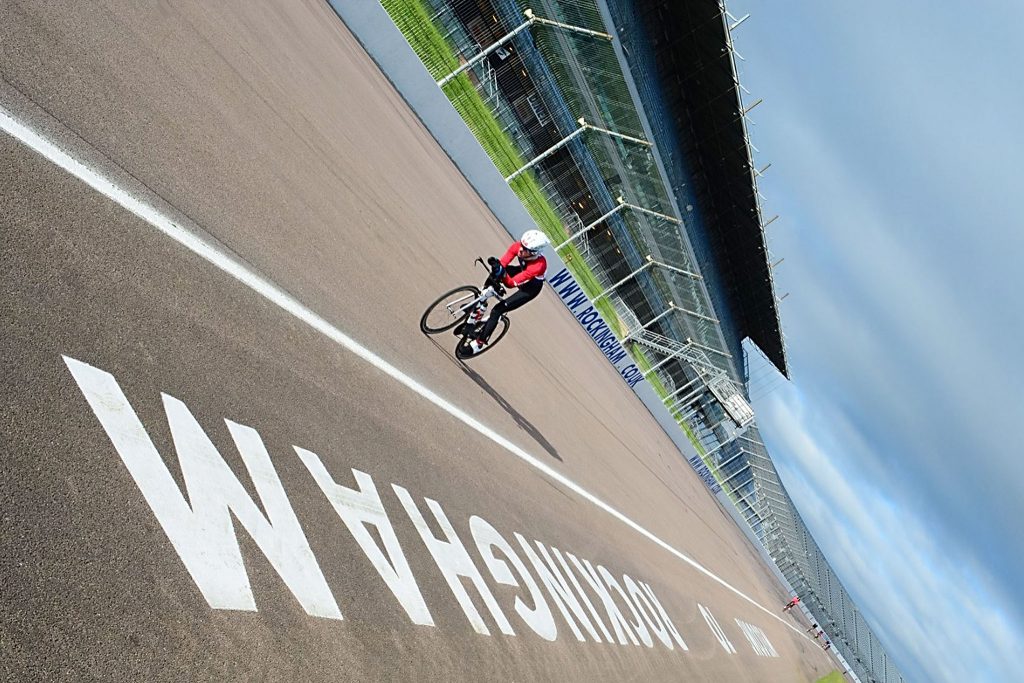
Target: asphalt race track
[{"x": 229, "y": 454}]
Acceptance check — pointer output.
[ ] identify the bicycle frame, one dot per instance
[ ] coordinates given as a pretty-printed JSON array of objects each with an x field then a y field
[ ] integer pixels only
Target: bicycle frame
[
  {"x": 487, "y": 293},
  {"x": 465, "y": 313}
]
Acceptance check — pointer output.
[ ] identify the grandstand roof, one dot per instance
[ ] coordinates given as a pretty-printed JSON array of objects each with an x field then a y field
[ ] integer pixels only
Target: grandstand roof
[{"x": 700, "y": 85}]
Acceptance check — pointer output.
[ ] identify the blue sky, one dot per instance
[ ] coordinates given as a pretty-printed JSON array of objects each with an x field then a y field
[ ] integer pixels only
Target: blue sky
[{"x": 894, "y": 136}]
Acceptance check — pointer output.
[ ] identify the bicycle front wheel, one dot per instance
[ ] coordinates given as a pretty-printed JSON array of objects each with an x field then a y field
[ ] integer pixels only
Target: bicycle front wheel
[
  {"x": 462, "y": 351},
  {"x": 450, "y": 309}
]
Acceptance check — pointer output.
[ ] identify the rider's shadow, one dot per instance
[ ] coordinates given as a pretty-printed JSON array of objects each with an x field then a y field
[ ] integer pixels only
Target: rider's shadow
[{"x": 523, "y": 423}]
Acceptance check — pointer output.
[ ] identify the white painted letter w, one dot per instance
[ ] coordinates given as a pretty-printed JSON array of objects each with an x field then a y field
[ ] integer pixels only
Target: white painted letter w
[{"x": 201, "y": 529}]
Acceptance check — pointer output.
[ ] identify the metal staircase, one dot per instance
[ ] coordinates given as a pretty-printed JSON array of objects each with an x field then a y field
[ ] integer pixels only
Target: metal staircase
[{"x": 709, "y": 377}]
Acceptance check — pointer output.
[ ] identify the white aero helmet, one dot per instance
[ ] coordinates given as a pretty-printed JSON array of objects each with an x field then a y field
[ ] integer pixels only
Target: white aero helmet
[{"x": 534, "y": 240}]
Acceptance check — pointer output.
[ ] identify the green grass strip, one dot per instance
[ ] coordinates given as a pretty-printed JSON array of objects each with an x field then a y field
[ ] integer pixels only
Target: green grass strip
[{"x": 834, "y": 677}]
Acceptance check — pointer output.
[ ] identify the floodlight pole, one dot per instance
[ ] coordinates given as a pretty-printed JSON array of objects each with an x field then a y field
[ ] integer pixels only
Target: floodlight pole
[
  {"x": 683, "y": 413},
  {"x": 621, "y": 205},
  {"x": 739, "y": 471},
  {"x": 690, "y": 410},
  {"x": 695, "y": 314},
  {"x": 609, "y": 290},
  {"x": 681, "y": 390},
  {"x": 584, "y": 126},
  {"x": 549, "y": 151},
  {"x": 748, "y": 481},
  {"x": 754, "y": 441},
  {"x": 620, "y": 136},
  {"x": 667, "y": 359},
  {"x": 673, "y": 268},
  {"x": 664, "y": 217},
  {"x": 650, "y": 262},
  {"x": 733, "y": 458},
  {"x": 743, "y": 499},
  {"x": 689, "y": 397},
  {"x": 750, "y": 523},
  {"x": 721, "y": 446},
  {"x": 568, "y": 27}
]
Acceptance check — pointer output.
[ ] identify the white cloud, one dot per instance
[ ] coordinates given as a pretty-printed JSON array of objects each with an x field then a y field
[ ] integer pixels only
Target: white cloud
[
  {"x": 893, "y": 144},
  {"x": 922, "y": 595}
]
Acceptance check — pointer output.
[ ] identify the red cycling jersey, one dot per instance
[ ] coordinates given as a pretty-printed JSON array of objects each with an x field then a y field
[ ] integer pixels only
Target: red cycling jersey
[{"x": 532, "y": 270}]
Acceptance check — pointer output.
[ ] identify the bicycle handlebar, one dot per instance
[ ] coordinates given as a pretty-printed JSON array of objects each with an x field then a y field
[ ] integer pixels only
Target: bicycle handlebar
[{"x": 491, "y": 283}]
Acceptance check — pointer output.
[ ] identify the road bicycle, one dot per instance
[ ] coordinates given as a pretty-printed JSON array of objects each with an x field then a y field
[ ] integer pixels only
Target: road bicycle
[{"x": 464, "y": 310}]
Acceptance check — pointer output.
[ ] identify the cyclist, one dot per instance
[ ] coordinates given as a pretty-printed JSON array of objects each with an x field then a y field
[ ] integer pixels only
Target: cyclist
[{"x": 527, "y": 276}]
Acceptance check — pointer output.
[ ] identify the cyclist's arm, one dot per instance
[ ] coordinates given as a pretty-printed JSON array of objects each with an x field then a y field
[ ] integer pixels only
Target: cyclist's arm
[
  {"x": 533, "y": 269},
  {"x": 512, "y": 252}
]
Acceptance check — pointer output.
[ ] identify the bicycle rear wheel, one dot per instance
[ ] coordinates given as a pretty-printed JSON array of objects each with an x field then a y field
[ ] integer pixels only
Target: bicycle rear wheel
[
  {"x": 448, "y": 310},
  {"x": 462, "y": 349}
]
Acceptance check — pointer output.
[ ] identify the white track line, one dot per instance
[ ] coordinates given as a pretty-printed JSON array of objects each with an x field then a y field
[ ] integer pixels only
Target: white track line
[{"x": 275, "y": 294}]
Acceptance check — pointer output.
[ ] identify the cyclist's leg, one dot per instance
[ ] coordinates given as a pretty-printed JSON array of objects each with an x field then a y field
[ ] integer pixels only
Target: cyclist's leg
[{"x": 521, "y": 297}]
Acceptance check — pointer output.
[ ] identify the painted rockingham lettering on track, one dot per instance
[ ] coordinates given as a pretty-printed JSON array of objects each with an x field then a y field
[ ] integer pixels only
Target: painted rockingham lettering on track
[
  {"x": 626, "y": 611},
  {"x": 141, "y": 203}
]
